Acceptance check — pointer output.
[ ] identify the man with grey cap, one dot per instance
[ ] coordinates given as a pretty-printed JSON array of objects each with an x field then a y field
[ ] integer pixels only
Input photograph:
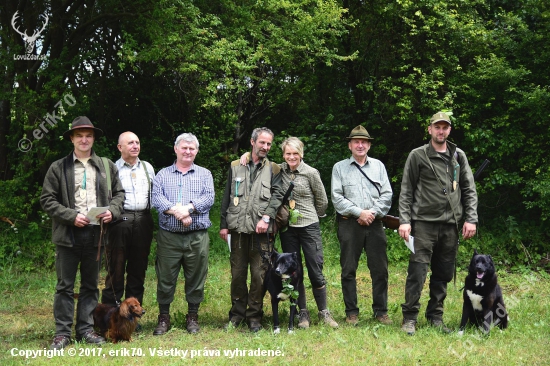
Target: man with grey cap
[
  {"x": 361, "y": 194},
  {"x": 437, "y": 191},
  {"x": 73, "y": 186}
]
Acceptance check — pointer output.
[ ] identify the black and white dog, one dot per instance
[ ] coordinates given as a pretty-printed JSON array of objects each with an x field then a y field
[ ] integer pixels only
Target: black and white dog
[
  {"x": 483, "y": 303},
  {"x": 283, "y": 271}
]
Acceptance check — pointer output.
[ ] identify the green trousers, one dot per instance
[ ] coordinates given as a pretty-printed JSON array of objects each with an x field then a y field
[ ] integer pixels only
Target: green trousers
[
  {"x": 246, "y": 250},
  {"x": 436, "y": 246},
  {"x": 177, "y": 250}
]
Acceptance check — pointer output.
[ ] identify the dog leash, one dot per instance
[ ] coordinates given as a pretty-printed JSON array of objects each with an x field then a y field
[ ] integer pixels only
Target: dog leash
[
  {"x": 101, "y": 232},
  {"x": 98, "y": 257},
  {"x": 107, "y": 264},
  {"x": 108, "y": 269}
]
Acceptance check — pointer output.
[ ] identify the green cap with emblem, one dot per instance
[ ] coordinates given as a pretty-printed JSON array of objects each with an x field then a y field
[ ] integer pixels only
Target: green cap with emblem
[{"x": 440, "y": 117}]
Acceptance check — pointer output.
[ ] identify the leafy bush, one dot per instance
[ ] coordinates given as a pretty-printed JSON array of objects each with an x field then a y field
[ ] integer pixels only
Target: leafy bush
[{"x": 26, "y": 246}]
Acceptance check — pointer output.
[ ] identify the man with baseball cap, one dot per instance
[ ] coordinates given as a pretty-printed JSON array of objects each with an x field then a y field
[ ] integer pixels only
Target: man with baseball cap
[
  {"x": 361, "y": 194},
  {"x": 437, "y": 191},
  {"x": 72, "y": 187}
]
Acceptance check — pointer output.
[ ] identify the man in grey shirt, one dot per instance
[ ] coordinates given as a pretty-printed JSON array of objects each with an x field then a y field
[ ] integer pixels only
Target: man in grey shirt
[{"x": 361, "y": 194}]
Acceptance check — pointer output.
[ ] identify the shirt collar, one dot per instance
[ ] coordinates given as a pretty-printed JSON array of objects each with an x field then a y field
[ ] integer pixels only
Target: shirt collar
[
  {"x": 75, "y": 158},
  {"x": 300, "y": 167},
  {"x": 353, "y": 161},
  {"x": 120, "y": 163},
  {"x": 174, "y": 168},
  {"x": 260, "y": 164}
]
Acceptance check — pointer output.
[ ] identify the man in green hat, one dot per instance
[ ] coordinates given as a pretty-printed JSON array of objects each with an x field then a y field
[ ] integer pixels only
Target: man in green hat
[
  {"x": 437, "y": 191},
  {"x": 361, "y": 194},
  {"x": 73, "y": 186}
]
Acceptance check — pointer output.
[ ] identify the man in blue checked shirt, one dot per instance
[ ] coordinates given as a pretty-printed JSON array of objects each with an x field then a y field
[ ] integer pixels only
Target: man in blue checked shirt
[{"x": 183, "y": 195}]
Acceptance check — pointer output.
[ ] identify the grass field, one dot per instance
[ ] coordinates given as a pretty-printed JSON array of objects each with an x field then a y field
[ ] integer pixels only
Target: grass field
[{"x": 26, "y": 325}]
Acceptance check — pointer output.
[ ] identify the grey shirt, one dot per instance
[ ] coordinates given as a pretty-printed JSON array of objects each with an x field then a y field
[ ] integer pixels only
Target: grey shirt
[{"x": 352, "y": 193}]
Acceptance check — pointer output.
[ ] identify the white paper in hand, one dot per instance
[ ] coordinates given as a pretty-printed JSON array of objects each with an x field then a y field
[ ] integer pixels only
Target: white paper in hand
[
  {"x": 410, "y": 243},
  {"x": 229, "y": 242},
  {"x": 93, "y": 212}
]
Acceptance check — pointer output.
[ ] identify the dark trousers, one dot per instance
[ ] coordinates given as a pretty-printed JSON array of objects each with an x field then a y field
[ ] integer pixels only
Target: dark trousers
[
  {"x": 435, "y": 244},
  {"x": 245, "y": 251},
  {"x": 67, "y": 262},
  {"x": 306, "y": 239},
  {"x": 355, "y": 238},
  {"x": 127, "y": 252}
]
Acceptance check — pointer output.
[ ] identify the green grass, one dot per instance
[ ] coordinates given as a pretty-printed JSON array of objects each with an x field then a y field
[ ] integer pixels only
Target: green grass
[{"x": 26, "y": 323}]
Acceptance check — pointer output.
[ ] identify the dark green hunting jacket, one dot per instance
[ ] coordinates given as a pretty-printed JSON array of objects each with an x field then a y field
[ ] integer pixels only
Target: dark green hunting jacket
[{"x": 58, "y": 195}]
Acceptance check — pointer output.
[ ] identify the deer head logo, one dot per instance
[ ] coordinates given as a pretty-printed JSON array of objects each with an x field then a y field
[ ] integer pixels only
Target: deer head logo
[{"x": 30, "y": 41}]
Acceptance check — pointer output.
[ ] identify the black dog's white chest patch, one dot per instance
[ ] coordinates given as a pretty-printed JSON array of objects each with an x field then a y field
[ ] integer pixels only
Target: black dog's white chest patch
[{"x": 475, "y": 299}]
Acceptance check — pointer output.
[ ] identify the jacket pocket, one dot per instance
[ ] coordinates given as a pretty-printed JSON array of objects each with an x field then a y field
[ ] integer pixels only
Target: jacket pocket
[
  {"x": 265, "y": 191},
  {"x": 232, "y": 217}
]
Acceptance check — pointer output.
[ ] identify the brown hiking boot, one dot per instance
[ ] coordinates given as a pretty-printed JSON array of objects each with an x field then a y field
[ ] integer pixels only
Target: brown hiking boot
[
  {"x": 352, "y": 319},
  {"x": 163, "y": 324},
  {"x": 60, "y": 342},
  {"x": 325, "y": 317},
  {"x": 303, "y": 319},
  {"x": 384, "y": 319},
  {"x": 192, "y": 320}
]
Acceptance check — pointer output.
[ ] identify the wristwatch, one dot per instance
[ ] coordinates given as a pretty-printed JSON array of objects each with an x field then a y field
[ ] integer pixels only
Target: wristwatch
[
  {"x": 266, "y": 219},
  {"x": 191, "y": 210}
]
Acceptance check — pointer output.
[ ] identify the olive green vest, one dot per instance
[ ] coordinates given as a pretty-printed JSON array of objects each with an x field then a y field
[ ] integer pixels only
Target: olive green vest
[{"x": 249, "y": 199}]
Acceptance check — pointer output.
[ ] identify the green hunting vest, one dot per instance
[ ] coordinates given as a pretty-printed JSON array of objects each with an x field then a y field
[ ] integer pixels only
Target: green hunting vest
[{"x": 249, "y": 197}]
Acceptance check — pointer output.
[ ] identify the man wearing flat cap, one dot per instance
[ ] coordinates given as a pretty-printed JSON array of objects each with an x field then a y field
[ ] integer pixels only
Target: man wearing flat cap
[
  {"x": 361, "y": 194},
  {"x": 437, "y": 191},
  {"x": 72, "y": 187}
]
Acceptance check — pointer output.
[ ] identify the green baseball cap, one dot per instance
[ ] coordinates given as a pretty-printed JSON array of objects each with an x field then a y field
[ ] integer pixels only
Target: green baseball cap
[{"x": 440, "y": 117}]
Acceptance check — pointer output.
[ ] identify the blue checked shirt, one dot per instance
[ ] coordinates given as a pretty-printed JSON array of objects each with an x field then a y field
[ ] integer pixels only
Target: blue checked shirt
[
  {"x": 196, "y": 186},
  {"x": 135, "y": 184},
  {"x": 352, "y": 192}
]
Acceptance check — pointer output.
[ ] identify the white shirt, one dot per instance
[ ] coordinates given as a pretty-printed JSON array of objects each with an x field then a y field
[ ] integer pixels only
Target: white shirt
[{"x": 134, "y": 182}]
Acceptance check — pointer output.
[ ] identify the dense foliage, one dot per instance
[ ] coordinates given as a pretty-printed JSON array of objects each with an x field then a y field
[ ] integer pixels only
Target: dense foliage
[{"x": 309, "y": 68}]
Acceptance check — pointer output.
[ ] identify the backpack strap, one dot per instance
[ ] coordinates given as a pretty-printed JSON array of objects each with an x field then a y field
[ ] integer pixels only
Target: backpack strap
[{"x": 108, "y": 172}]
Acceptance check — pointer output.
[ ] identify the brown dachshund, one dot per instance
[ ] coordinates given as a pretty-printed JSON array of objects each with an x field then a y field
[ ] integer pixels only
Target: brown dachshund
[{"x": 118, "y": 322}]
